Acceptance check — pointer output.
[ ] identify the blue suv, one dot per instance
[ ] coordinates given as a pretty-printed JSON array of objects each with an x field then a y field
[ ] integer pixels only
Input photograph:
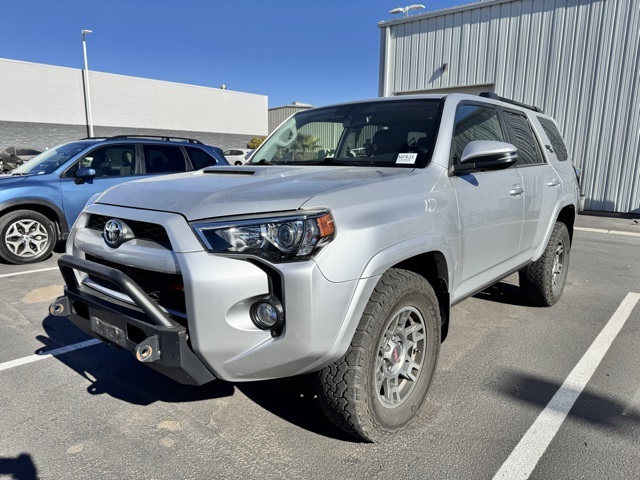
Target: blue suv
[{"x": 40, "y": 200}]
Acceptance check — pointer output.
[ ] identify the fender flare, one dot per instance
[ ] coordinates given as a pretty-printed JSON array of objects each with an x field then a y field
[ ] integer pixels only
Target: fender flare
[
  {"x": 566, "y": 201},
  {"x": 373, "y": 271},
  {"x": 394, "y": 254},
  {"x": 27, "y": 201}
]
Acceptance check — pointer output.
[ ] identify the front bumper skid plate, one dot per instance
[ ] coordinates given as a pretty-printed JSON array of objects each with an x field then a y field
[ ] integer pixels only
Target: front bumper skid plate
[{"x": 147, "y": 331}]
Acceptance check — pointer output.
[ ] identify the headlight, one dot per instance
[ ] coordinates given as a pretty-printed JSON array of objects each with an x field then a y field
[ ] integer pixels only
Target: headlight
[{"x": 282, "y": 238}]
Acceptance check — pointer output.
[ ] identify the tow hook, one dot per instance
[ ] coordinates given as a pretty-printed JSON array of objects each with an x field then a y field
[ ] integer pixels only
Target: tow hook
[
  {"x": 148, "y": 350},
  {"x": 60, "y": 307}
]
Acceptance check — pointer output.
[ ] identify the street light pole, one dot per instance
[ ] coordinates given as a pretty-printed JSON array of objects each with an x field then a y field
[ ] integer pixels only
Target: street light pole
[{"x": 87, "y": 94}]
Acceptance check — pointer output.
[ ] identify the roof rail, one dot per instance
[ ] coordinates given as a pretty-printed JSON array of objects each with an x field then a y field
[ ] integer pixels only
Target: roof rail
[
  {"x": 168, "y": 138},
  {"x": 495, "y": 96}
]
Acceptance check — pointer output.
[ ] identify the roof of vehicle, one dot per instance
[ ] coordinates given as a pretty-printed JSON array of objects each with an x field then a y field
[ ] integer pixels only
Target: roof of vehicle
[
  {"x": 156, "y": 138},
  {"x": 491, "y": 96},
  {"x": 379, "y": 99}
]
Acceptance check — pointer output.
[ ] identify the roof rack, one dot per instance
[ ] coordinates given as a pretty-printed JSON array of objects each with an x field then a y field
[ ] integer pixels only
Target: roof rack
[
  {"x": 495, "y": 96},
  {"x": 167, "y": 138}
]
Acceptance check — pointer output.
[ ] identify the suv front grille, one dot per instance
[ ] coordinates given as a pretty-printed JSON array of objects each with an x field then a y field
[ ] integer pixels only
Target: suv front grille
[
  {"x": 166, "y": 289},
  {"x": 144, "y": 230}
]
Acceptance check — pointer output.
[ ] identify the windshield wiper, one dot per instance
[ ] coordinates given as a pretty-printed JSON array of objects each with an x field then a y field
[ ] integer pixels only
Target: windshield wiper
[{"x": 336, "y": 161}]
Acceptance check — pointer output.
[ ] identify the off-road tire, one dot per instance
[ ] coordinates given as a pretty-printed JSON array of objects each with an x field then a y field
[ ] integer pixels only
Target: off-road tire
[
  {"x": 543, "y": 281},
  {"x": 354, "y": 391},
  {"x": 26, "y": 237}
]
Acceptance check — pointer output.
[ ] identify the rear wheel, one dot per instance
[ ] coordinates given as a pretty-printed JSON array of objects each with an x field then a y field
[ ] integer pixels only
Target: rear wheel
[
  {"x": 26, "y": 237},
  {"x": 543, "y": 281},
  {"x": 379, "y": 385}
]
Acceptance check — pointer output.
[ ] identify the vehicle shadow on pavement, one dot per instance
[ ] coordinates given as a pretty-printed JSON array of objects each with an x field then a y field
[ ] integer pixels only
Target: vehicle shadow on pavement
[
  {"x": 19, "y": 468},
  {"x": 506, "y": 293},
  {"x": 117, "y": 373},
  {"x": 597, "y": 410},
  {"x": 294, "y": 400}
]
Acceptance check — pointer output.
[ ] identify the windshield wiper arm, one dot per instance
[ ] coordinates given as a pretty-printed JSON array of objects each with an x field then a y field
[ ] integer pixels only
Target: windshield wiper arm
[{"x": 335, "y": 161}]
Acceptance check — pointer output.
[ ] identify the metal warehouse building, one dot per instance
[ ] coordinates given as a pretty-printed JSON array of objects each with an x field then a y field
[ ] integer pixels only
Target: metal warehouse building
[
  {"x": 578, "y": 60},
  {"x": 277, "y": 115},
  {"x": 43, "y": 105}
]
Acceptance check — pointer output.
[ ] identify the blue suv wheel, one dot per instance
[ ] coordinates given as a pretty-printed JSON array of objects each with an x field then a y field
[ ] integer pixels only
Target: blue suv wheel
[{"x": 26, "y": 237}]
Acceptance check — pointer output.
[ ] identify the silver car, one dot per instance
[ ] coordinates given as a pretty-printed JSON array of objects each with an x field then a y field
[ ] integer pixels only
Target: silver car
[{"x": 338, "y": 249}]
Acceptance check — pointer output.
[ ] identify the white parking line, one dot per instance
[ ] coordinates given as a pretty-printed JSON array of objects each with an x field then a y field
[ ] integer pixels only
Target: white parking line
[
  {"x": 4, "y": 275},
  {"x": 532, "y": 446},
  {"x": 49, "y": 354}
]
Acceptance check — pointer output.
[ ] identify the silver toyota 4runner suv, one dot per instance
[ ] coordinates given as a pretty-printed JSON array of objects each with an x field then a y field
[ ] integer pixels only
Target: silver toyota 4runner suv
[{"x": 338, "y": 249}]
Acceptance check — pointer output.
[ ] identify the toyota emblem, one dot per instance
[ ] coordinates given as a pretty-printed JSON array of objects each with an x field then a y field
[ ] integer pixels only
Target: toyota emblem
[{"x": 115, "y": 233}]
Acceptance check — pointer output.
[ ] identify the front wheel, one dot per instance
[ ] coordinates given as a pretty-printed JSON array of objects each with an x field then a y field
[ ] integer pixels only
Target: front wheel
[
  {"x": 26, "y": 237},
  {"x": 543, "y": 280},
  {"x": 379, "y": 385}
]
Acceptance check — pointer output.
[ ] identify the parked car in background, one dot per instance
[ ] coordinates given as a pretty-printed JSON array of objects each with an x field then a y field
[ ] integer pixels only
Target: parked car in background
[
  {"x": 237, "y": 156},
  {"x": 40, "y": 200},
  {"x": 13, "y": 157}
]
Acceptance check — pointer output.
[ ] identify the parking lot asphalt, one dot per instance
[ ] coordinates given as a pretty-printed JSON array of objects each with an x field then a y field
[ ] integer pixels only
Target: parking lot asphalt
[{"x": 520, "y": 392}]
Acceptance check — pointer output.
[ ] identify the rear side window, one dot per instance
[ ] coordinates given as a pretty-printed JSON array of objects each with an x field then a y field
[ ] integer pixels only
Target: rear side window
[
  {"x": 163, "y": 159},
  {"x": 475, "y": 122},
  {"x": 522, "y": 137},
  {"x": 555, "y": 138},
  {"x": 199, "y": 158}
]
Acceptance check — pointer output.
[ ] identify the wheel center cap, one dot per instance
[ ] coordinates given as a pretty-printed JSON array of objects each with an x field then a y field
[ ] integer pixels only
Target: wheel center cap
[{"x": 396, "y": 354}]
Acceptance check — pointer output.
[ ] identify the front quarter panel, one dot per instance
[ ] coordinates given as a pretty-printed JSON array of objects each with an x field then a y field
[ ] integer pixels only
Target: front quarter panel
[
  {"x": 42, "y": 190},
  {"x": 383, "y": 224}
]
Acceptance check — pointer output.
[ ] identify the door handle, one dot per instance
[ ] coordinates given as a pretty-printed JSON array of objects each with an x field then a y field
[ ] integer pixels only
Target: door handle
[
  {"x": 554, "y": 182},
  {"x": 516, "y": 190}
]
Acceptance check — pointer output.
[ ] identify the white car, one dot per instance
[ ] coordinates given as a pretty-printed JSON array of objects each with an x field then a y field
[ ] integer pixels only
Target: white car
[{"x": 237, "y": 156}]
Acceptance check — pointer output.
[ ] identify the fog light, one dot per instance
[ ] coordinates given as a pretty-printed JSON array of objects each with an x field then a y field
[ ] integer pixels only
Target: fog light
[{"x": 268, "y": 314}]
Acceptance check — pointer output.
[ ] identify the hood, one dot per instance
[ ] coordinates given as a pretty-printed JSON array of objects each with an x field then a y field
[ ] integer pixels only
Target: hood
[
  {"x": 7, "y": 180},
  {"x": 224, "y": 191}
]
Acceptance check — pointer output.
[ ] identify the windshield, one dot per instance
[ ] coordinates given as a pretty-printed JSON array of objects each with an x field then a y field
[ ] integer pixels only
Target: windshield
[
  {"x": 395, "y": 133},
  {"x": 51, "y": 159}
]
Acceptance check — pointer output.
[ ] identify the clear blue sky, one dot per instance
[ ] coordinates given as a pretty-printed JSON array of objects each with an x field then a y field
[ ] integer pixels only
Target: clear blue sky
[{"x": 316, "y": 52}]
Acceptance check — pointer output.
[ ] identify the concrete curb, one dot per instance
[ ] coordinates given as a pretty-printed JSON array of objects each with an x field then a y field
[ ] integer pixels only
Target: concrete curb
[{"x": 611, "y": 232}]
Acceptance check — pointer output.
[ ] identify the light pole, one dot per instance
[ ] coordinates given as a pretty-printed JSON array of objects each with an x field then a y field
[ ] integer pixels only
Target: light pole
[
  {"x": 87, "y": 94},
  {"x": 406, "y": 9}
]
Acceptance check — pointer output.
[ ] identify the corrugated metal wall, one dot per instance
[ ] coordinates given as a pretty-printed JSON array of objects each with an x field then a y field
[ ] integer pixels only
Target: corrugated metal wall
[
  {"x": 277, "y": 115},
  {"x": 578, "y": 60}
]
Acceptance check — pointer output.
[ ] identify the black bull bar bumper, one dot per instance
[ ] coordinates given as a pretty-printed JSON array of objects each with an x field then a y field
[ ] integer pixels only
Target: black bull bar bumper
[{"x": 149, "y": 333}]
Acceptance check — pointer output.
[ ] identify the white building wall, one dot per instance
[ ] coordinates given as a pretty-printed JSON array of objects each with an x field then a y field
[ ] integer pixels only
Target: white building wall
[
  {"x": 579, "y": 60},
  {"x": 31, "y": 92},
  {"x": 40, "y": 93}
]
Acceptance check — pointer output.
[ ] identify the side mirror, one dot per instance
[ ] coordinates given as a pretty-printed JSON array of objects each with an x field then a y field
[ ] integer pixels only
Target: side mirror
[
  {"x": 486, "y": 155},
  {"x": 84, "y": 174}
]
